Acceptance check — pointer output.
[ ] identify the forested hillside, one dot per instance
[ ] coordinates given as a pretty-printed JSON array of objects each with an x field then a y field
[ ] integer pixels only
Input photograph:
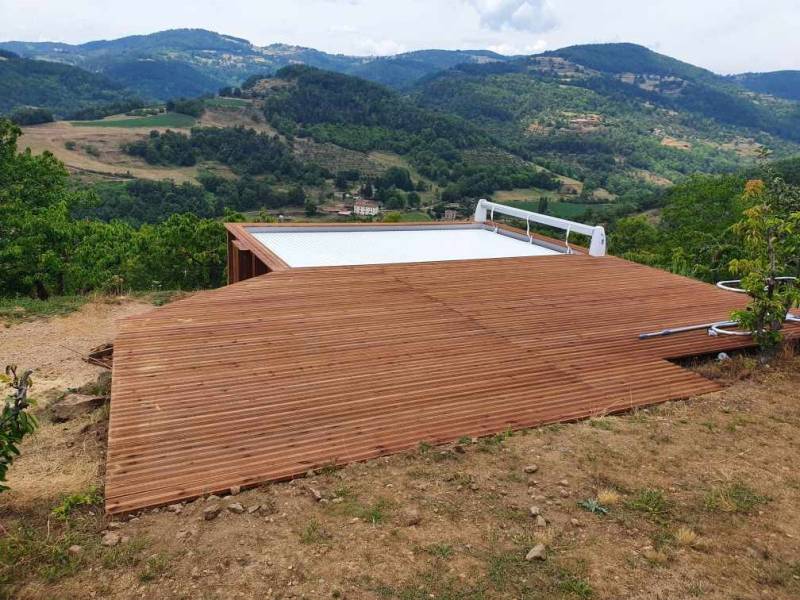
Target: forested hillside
[
  {"x": 783, "y": 84},
  {"x": 58, "y": 88},
  {"x": 616, "y": 116}
]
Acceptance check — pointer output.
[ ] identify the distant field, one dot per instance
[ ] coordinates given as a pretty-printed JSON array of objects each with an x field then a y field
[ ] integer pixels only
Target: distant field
[
  {"x": 227, "y": 102},
  {"x": 175, "y": 120},
  {"x": 409, "y": 217},
  {"x": 564, "y": 210}
]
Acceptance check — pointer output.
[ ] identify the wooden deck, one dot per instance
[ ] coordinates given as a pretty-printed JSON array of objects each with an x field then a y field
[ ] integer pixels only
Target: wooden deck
[{"x": 269, "y": 377}]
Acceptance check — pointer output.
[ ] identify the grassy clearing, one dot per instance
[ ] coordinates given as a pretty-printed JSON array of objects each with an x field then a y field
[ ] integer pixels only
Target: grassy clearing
[
  {"x": 173, "y": 120},
  {"x": 227, "y": 102},
  {"x": 564, "y": 210},
  {"x": 18, "y": 310}
]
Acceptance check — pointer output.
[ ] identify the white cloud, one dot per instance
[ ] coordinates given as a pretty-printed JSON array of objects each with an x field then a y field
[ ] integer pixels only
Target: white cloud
[
  {"x": 510, "y": 49},
  {"x": 518, "y": 15}
]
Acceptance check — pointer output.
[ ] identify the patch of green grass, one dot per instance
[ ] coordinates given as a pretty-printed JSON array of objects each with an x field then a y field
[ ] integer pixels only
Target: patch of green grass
[
  {"x": 433, "y": 584},
  {"x": 154, "y": 567},
  {"x": 313, "y": 533},
  {"x": 375, "y": 513},
  {"x": 71, "y": 502},
  {"x": 174, "y": 120},
  {"x": 221, "y": 102},
  {"x": 440, "y": 550},
  {"x": 735, "y": 497},
  {"x": 405, "y": 217},
  {"x": 17, "y": 310},
  {"x": 650, "y": 501}
]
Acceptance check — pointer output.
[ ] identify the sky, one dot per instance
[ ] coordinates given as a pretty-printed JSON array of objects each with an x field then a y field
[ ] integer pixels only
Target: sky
[{"x": 727, "y": 36}]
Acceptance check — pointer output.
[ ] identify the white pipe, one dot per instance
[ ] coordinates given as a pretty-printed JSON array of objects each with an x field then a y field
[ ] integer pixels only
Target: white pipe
[{"x": 597, "y": 247}]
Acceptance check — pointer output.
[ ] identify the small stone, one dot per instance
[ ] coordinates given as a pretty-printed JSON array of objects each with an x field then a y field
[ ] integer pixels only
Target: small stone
[
  {"x": 310, "y": 473},
  {"x": 531, "y": 469},
  {"x": 338, "y": 500},
  {"x": 538, "y": 552},
  {"x": 212, "y": 498},
  {"x": 236, "y": 507},
  {"x": 110, "y": 539},
  {"x": 315, "y": 493},
  {"x": 563, "y": 483},
  {"x": 541, "y": 521},
  {"x": 253, "y": 509},
  {"x": 211, "y": 512},
  {"x": 411, "y": 517},
  {"x": 75, "y": 549},
  {"x": 564, "y": 493},
  {"x": 575, "y": 522},
  {"x": 458, "y": 448},
  {"x": 474, "y": 487},
  {"x": 114, "y": 525},
  {"x": 235, "y": 489},
  {"x": 175, "y": 508},
  {"x": 535, "y": 511}
]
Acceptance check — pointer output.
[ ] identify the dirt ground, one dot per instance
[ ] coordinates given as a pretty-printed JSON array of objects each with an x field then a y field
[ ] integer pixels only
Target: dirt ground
[{"x": 700, "y": 500}]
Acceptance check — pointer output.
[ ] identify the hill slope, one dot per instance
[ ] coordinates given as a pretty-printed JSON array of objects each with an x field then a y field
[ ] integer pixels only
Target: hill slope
[
  {"x": 612, "y": 113},
  {"x": 210, "y": 60},
  {"x": 63, "y": 89},
  {"x": 783, "y": 84}
]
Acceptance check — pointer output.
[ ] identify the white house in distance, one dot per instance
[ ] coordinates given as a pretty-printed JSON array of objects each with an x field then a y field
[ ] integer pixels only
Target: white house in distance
[{"x": 365, "y": 208}]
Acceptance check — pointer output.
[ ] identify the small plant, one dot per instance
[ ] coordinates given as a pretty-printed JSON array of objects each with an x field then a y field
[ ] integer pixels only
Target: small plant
[
  {"x": 424, "y": 447},
  {"x": 608, "y": 497},
  {"x": 91, "y": 150},
  {"x": 576, "y": 586},
  {"x": 73, "y": 501},
  {"x": 313, "y": 533},
  {"x": 440, "y": 550},
  {"x": 15, "y": 421},
  {"x": 650, "y": 501},
  {"x": 685, "y": 536},
  {"x": 736, "y": 497},
  {"x": 69, "y": 145},
  {"x": 593, "y": 506}
]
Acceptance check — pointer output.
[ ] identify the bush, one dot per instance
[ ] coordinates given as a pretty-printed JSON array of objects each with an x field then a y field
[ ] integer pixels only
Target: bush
[{"x": 31, "y": 116}]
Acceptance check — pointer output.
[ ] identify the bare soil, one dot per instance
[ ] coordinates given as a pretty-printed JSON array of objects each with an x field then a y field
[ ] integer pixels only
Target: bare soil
[{"x": 701, "y": 499}]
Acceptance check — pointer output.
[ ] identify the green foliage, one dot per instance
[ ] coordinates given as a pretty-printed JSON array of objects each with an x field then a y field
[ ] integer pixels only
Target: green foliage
[
  {"x": 45, "y": 251},
  {"x": 162, "y": 120},
  {"x": 244, "y": 150},
  {"x": 193, "y": 107},
  {"x": 69, "y": 503},
  {"x": 734, "y": 497},
  {"x": 53, "y": 86},
  {"x": 593, "y": 506},
  {"x": 15, "y": 421},
  {"x": 31, "y": 116},
  {"x": 769, "y": 233},
  {"x": 693, "y": 236},
  {"x": 649, "y": 501}
]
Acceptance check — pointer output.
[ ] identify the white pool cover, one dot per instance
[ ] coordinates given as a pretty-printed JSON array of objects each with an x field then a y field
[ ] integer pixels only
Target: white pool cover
[{"x": 346, "y": 247}]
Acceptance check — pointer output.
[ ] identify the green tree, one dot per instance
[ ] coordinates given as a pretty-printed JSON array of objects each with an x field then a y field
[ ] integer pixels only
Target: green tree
[{"x": 770, "y": 236}]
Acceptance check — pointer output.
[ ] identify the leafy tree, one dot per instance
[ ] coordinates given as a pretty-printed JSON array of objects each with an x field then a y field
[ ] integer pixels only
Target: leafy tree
[
  {"x": 15, "y": 421},
  {"x": 770, "y": 235}
]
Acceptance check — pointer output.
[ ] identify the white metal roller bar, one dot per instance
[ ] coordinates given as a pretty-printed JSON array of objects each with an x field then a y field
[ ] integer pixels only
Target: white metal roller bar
[{"x": 597, "y": 246}]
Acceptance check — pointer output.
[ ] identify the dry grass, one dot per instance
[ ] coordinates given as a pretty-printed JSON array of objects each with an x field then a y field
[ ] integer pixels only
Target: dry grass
[
  {"x": 608, "y": 497},
  {"x": 694, "y": 511}
]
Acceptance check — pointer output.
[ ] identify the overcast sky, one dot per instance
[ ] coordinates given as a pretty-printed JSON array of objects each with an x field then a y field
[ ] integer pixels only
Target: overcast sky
[{"x": 724, "y": 35}]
